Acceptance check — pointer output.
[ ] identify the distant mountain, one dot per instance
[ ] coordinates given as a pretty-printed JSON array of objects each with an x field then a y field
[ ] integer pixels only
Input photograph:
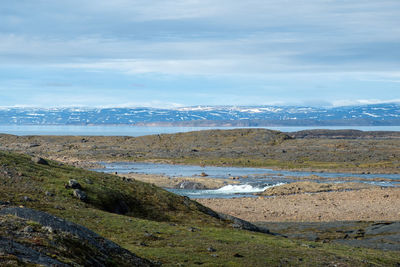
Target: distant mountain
[{"x": 374, "y": 115}]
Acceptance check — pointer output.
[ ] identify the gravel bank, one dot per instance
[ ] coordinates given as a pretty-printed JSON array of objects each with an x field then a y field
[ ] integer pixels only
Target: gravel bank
[{"x": 361, "y": 205}]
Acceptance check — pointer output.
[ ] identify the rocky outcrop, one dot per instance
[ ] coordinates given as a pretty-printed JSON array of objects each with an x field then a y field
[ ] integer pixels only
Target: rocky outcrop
[
  {"x": 71, "y": 244},
  {"x": 26, "y": 254},
  {"x": 242, "y": 224},
  {"x": 233, "y": 221},
  {"x": 379, "y": 235}
]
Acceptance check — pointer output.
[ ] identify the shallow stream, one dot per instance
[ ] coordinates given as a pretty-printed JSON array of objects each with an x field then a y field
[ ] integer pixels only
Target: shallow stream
[{"x": 251, "y": 180}]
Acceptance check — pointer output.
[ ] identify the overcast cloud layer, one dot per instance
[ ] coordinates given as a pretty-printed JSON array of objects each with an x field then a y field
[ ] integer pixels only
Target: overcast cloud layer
[{"x": 174, "y": 53}]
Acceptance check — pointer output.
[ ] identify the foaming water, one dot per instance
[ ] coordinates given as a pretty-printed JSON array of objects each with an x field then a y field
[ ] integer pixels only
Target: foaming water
[
  {"x": 242, "y": 188},
  {"x": 227, "y": 191}
]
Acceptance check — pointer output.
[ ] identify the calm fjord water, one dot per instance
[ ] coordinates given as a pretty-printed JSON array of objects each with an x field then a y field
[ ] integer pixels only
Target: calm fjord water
[{"x": 123, "y": 130}]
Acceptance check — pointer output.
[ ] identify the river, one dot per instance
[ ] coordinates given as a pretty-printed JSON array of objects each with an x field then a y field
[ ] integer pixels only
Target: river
[{"x": 251, "y": 180}]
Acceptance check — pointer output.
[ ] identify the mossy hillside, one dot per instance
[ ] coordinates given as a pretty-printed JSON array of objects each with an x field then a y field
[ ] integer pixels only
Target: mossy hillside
[
  {"x": 175, "y": 244},
  {"x": 177, "y": 235},
  {"x": 25, "y": 179}
]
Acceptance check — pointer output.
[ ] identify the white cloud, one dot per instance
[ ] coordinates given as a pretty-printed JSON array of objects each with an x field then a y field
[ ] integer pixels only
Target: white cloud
[
  {"x": 281, "y": 48},
  {"x": 221, "y": 37},
  {"x": 346, "y": 102}
]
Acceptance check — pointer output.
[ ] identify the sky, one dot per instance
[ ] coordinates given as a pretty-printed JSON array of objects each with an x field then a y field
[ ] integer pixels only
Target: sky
[{"x": 157, "y": 53}]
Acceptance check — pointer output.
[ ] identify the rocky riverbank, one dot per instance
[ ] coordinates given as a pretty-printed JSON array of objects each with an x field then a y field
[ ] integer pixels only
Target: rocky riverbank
[{"x": 179, "y": 182}]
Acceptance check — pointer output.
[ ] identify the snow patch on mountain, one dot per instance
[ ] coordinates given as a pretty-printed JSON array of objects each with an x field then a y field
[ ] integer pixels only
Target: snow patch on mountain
[{"x": 252, "y": 115}]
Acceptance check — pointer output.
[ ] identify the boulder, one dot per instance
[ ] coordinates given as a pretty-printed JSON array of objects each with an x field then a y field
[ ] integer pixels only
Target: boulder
[
  {"x": 27, "y": 199},
  {"x": 49, "y": 194},
  {"x": 34, "y": 145},
  {"x": 28, "y": 229},
  {"x": 79, "y": 194},
  {"x": 74, "y": 184},
  {"x": 190, "y": 185},
  {"x": 39, "y": 160}
]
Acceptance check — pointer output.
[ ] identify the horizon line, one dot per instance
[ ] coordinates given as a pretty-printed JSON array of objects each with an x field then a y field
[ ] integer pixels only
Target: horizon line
[{"x": 396, "y": 102}]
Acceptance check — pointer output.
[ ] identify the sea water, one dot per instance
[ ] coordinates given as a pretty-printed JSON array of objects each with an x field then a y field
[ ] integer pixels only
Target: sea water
[{"x": 124, "y": 130}]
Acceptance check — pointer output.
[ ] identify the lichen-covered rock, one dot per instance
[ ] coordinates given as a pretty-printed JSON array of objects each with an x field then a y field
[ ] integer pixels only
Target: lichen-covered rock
[
  {"x": 81, "y": 195},
  {"x": 74, "y": 184},
  {"x": 40, "y": 160}
]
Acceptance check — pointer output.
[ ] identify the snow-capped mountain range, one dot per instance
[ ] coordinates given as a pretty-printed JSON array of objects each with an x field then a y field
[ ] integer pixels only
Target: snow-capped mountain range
[{"x": 379, "y": 114}]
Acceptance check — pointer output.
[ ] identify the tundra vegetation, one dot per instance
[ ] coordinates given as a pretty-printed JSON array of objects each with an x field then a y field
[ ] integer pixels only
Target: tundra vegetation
[
  {"x": 318, "y": 150},
  {"x": 149, "y": 222},
  {"x": 158, "y": 227}
]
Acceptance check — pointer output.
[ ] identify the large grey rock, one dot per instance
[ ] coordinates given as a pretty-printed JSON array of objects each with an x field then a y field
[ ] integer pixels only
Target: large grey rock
[
  {"x": 74, "y": 184},
  {"x": 40, "y": 160},
  {"x": 190, "y": 185},
  {"x": 81, "y": 195}
]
